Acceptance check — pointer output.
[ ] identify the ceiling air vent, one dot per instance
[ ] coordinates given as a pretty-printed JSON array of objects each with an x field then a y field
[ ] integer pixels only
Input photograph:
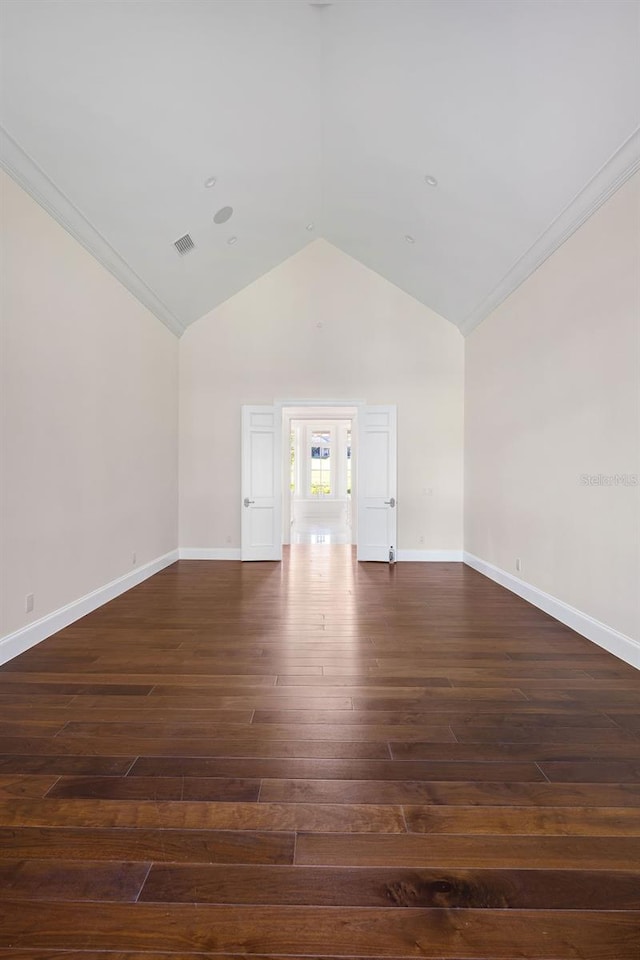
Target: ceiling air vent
[{"x": 184, "y": 245}]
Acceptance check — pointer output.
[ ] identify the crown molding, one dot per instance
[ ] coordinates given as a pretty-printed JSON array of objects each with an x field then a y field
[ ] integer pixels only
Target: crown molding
[
  {"x": 622, "y": 165},
  {"x": 26, "y": 172}
]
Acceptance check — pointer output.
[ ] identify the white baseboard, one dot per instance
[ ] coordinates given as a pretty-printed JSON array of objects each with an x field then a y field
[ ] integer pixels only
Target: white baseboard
[
  {"x": 233, "y": 553},
  {"x": 15, "y": 643},
  {"x": 210, "y": 553},
  {"x": 429, "y": 556},
  {"x": 619, "y": 644}
]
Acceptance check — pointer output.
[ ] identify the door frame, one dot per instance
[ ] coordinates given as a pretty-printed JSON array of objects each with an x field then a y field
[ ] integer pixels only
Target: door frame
[{"x": 308, "y": 409}]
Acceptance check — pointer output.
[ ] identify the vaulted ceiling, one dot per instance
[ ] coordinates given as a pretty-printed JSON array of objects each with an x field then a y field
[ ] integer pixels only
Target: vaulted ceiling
[{"x": 321, "y": 119}]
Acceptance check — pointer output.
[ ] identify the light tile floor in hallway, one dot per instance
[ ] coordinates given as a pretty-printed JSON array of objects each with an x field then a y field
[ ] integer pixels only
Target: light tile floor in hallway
[{"x": 325, "y": 532}]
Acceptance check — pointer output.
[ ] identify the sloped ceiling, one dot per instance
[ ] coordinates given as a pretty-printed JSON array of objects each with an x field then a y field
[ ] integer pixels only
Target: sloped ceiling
[{"x": 321, "y": 119}]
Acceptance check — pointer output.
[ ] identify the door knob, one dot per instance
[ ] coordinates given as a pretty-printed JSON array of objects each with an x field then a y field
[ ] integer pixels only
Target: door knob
[
  {"x": 248, "y": 502},
  {"x": 391, "y": 503}
]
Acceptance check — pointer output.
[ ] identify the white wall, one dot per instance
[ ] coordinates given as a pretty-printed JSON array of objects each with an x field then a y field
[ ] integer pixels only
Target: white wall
[
  {"x": 90, "y": 432},
  {"x": 89, "y": 420},
  {"x": 322, "y": 326},
  {"x": 552, "y": 394}
]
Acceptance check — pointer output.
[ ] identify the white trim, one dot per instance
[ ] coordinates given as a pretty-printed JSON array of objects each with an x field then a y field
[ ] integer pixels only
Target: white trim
[
  {"x": 233, "y": 553},
  {"x": 319, "y": 403},
  {"x": 210, "y": 553},
  {"x": 619, "y": 644},
  {"x": 429, "y": 556},
  {"x": 25, "y": 171},
  {"x": 618, "y": 168},
  {"x": 15, "y": 643}
]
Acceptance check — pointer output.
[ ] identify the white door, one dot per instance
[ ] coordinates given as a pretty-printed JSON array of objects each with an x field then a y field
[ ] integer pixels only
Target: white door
[
  {"x": 377, "y": 490},
  {"x": 261, "y": 483}
]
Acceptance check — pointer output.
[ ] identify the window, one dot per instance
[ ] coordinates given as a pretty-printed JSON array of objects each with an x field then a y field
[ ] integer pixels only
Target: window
[{"x": 321, "y": 464}]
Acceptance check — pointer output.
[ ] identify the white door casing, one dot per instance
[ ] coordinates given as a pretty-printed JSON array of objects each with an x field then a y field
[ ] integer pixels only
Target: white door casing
[
  {"x": 261, "y": 483},
  {"x": 377, "y": 483}
]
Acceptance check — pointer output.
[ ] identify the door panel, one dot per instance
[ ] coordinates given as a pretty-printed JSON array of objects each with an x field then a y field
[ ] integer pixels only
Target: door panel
[
  {"x": 377, "y": 483},
  {"x": 261, "y": 481}
]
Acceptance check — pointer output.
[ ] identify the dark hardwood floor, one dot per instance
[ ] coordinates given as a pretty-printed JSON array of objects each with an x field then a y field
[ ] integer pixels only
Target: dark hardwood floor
[{"x": 319, "y": 759}]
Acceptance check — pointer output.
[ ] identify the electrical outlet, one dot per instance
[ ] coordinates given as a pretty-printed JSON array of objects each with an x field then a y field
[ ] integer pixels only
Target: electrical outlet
[
  {"x": 518, "y": 564},
  {"x": 28, "y": 603},
  {"x": 134, "y": 559},
  {"x": 420, "y": 539},
  {"x": 228, "y": 539}
]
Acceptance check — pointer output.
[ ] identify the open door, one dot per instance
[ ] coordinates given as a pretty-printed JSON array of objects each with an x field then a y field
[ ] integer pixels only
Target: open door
[
  {"x": 377, "y": 483},
  {"x": 261, "y": 484}
]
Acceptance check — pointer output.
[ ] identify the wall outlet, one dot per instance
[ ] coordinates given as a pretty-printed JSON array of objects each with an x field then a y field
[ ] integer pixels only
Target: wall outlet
[
  {"x": 420, "y": 539},
  {"x": 134, "y": 559},
  {"x": 28, "y": 603},
  {"x": 518, "y": 564},
  {"x": 228, "y": 539}
]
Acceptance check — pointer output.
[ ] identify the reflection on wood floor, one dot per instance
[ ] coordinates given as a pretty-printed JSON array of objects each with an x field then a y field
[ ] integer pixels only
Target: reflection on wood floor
[
  {"x": 325, "y": 532},
  {"x": 321, "y": 759}
]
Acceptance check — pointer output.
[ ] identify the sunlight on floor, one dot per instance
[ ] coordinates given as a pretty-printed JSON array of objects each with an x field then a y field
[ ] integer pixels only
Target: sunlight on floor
[{"x": 325, "y": 532}]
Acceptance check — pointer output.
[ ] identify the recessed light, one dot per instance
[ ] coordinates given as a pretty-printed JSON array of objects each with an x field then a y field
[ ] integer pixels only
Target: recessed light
[
  {"x": 210, "y": 182},
  {"x": 431, "y": 181},
  {"x": 223, "y": 214},
  {"x": 232, "y": 240},
  {"x": 409, "y": 238},
  {"x": 310, "y": 227}
]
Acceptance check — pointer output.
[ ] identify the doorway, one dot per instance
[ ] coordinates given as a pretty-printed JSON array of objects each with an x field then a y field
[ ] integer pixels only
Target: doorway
[
  {"x": 320, "y": 476},
  {"x": 266, "y": 493}
]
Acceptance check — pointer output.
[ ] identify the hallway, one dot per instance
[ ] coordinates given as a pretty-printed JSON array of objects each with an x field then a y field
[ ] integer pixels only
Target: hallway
[{"x": 325, "y": 757}]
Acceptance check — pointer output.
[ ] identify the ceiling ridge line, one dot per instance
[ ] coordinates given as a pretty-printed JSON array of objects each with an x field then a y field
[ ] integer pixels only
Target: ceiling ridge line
[
  {"x": 620, "y": 166},
  {"x": 22, "y": 168}
]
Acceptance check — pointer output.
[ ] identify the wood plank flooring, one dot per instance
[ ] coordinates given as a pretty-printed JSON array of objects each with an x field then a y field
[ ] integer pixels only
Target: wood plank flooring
[{"x": 319, "y": 759}]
